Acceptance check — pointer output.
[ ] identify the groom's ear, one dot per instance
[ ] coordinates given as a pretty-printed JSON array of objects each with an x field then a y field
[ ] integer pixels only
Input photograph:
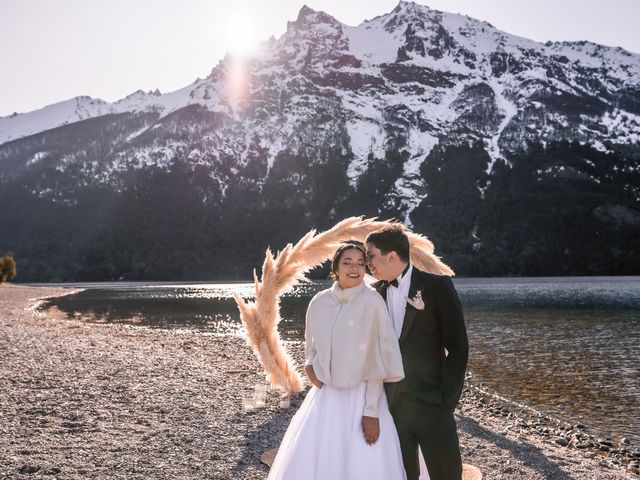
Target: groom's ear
[{"x": 393, "y": 255}]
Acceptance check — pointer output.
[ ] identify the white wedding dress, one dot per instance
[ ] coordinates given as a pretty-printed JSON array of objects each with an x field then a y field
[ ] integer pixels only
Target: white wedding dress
[{"x": 325, "y": 441}]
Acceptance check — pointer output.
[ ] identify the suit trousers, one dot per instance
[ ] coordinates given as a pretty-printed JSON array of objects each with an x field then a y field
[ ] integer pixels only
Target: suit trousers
[{"x": 432, "y": 428}]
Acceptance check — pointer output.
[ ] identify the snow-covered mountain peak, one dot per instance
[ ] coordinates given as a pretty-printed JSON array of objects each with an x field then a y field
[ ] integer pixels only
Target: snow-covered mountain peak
[
  {"x": 406, "y": 12},
  {"x": 313, "y": 26},
  {"x": 410, "y": 8},
  {"x": 425, "y": 59},
  {"x": 60, "y": 113},
  {"x": 310, "y": 18},
  {"x": 314, "y": 40}
]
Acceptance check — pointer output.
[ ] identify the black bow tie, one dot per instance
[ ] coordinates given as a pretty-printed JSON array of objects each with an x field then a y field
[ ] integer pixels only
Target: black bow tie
[{"x": 394, "y": 282}]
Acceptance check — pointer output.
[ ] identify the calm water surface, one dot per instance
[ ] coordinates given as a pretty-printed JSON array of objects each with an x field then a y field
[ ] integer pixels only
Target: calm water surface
[{"x": 569, "y": 347}]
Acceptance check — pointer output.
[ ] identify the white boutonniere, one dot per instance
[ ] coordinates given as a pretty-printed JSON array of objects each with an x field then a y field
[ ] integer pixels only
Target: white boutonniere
[{"x": 416, "y": 302}]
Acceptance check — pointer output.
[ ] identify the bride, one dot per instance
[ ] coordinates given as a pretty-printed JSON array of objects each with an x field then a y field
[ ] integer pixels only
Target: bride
[{"x": 343, "y": 429}]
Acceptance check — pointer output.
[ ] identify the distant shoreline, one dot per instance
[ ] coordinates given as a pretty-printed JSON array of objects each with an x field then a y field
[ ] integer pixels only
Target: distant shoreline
[
  {"x": 315, "y": 279},
  {"x": 162, "y": 404}
]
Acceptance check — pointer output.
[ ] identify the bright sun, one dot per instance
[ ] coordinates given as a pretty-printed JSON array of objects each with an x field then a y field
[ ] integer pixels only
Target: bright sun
[{"x": 239, "y": 35}]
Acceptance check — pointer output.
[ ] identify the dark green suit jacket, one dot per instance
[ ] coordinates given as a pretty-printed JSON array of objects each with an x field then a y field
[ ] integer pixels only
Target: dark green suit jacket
[{"x": 430, "y": 374}]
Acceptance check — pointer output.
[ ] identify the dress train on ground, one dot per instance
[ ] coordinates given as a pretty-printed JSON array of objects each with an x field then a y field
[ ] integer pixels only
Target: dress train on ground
[{"x": 325, "y": 440}]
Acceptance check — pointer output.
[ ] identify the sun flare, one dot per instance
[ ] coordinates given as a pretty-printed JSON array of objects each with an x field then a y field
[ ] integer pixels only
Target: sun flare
[
  {"x": 238, "y": 78},
  {"x": 239, "y": 35}
]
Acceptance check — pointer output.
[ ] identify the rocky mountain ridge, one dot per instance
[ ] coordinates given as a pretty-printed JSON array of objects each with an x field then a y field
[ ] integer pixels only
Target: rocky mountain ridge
[{"x": 434, "y": 118}]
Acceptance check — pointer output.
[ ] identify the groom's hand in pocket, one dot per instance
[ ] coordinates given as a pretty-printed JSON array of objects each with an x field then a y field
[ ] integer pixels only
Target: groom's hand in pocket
[{"x": 371, "y": 429}]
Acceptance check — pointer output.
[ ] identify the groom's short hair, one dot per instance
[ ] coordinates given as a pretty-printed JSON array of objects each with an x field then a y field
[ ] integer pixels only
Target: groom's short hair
[{"x": 391, "y": 239}]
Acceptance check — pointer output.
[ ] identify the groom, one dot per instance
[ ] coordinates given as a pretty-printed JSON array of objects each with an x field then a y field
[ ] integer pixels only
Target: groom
[{"x": 427, "y": 318}]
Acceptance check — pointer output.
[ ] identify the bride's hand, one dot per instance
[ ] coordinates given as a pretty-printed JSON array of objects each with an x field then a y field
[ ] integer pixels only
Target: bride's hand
[
  {"x": 371, "y": 429},
  {"x": 312, "y": 376}
]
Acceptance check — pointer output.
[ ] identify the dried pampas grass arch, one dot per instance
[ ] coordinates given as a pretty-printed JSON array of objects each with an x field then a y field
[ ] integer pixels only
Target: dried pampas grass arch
[{"x": 282, "y": 271}]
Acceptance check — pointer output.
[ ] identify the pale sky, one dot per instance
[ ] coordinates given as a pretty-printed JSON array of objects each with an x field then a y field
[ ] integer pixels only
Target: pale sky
[{"x": 53, "y": 50}]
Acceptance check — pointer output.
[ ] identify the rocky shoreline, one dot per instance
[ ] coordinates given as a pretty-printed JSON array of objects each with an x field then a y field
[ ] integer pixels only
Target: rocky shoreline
[
  {"x": 549, "y": 430},
  {"x": 85, "y": 400}
]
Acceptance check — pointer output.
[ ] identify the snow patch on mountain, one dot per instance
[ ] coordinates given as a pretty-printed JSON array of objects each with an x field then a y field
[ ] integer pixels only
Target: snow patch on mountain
[
  {"x": 623, "y": 127},
  {"x": 618, "y": 62},
  {"x": 409, "y": 187},
  {"x": 367, "y": 137},
  {"x": 509, "y": 110},
  {"x": 36, "y": 158},
  {"x": 369, "y": 33}
]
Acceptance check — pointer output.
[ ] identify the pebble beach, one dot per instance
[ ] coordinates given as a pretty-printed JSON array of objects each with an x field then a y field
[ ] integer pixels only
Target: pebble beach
[{"x": 80, "y": 399}]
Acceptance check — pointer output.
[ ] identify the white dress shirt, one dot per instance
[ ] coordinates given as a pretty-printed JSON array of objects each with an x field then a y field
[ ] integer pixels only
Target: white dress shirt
[{"x": 397, "y": 300}]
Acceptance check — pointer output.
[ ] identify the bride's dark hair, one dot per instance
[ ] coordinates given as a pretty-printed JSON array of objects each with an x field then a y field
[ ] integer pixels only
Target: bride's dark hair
[{"x": 346, "y": 245}]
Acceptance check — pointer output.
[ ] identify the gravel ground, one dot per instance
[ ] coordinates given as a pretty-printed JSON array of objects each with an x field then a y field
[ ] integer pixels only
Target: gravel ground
[{"x": 80, "y": 400}]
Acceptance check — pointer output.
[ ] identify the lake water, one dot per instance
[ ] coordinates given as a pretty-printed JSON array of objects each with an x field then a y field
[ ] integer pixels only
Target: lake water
[{"x": 568, "y": 347}]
